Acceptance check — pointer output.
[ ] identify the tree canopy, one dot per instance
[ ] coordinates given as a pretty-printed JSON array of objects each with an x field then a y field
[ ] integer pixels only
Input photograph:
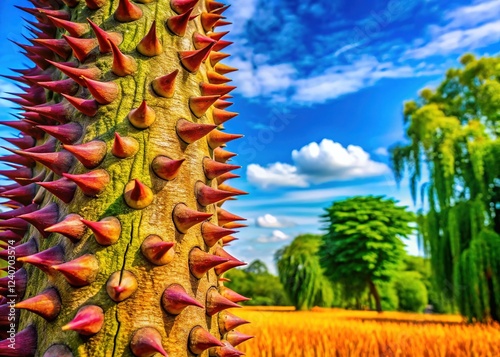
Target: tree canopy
[
  {"x": 453, "y": 131},
  {"x": 363, "y": 244}
]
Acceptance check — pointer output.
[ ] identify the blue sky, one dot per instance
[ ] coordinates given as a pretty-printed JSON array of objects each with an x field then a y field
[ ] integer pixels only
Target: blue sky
[{"x": 320, "y": 92}]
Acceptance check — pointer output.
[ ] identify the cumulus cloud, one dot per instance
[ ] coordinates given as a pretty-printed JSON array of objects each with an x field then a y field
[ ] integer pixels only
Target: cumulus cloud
[
  {"x": 270, "y": 221},
  {"x": 276, "y": 236},
  {"x": 382, "y": 151},
  {"x": 317, "y": 163}
]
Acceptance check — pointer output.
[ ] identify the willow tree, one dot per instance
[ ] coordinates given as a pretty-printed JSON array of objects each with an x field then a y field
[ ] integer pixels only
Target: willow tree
[
  {"x": 453, "y": 131},
  {"x": 301, "y": 273}
]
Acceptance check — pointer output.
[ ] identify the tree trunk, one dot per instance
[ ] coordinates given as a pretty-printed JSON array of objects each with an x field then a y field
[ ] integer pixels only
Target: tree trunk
[
  {"x": 127, "y": 224},
  {"x": 375, "y": 294}
]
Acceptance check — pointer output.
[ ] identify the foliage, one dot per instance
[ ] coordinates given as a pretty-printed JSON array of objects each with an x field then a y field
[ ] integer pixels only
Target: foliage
[
  {"x": 453, "y": 131},
  {"x": 411, "y": 291},
  {"x": 302, "y": 275},
  {"x": 363, "y": 244}
]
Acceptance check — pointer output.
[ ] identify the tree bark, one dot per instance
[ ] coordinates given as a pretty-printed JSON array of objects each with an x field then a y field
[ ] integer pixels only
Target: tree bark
[{"x": 375, "y": 294}]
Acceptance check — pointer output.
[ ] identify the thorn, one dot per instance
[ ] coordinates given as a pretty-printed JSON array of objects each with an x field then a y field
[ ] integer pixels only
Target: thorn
[
  {"x": 43, "y": 218},
  {"x": 166, "y": 168},
  {"x": 127, "y": 11},
  {"x": 185, "y": 217},
  {"x": 213, "y": 5},
  {"x": 230, "y": 264},
  {"x": 74, "y": 28},
  {"x": 235, "y": 225},
  {"x": 103, "y": 92},
  {"x": 81, "y": 46},
  {"x": 175, "y": 299},
  {"x": 16, "y": 159},
  {"x": 18, "y": 211},
  {"x": 142, "y": 117},
  {"x": 213, "y": 168},
  {"x": 66, "y": 133},
  {"x": 5, "y": 236},
  {"x": 157, "y": 251},
  {"x": 79, "y": 272},
  {"x": 191, "y": 132},
  {"x": 222, "y": 68},
  {"x": 221, "y": 116},
  {"x": 201, "y": 41},
  {"x": 137, "y": 195},
  {"x": 222, "y": 44},
  {"x": 200, "y": 262},
  {"x": 124, "y": 147},
  {"x": 66, "y": 86},
  {"x": 150, "y": 45},
  {"x": 121, "y": 285},
  {"x": 215, "y": 57},
  {"x": 232, "y": 295},
  {"x": 208, "y": 20},
  {"x": 216, "y": 78},
  {"x": 217, "y": 138},
  {"x": 147, "y": 342},
  {"x": 24, "y": 195},
  {"x": 56, "y": 112},
  {"x": 103, "y": 37},
  {"x": 235, "y": 338},
  {"x": 25, "y": 127},
  {"x": 77, "y": 73},
  {"x": 221, "y": 23},
  {"x": 26, "y": 343},
  {"x": 227, "y": 351},
  {"x": 22, "y": 250},
  {"x": 47, "y": 304},
  {"x": 71, "y": 227},
  {"x": 201, "y": 340},
  {"x": 200, "y": 105},
  {"x": 181, "y": 6},
  {"x": 206, "y": 195},
  {"x": 228, "y": 322},
  {"x": 178, "y": 24},
  {"x": 107, "y": 231},
  {"x": 95, "y": 4},
  {"x": 90, "y": 154},
  {"x": 91, "y": 183},
  {"x": 165, "y": 86},
  {"x": 123, "y": 65},
  {"x": 88, "y": 321},
  {"x": 191, "y": 60},
  {"x": 87, "y": 107},
  {"x": 211, "y": 233},
  {"x": 225, "y": 217},
  {"x": 22, "y": 142},
  {"x": 14, "y": 224},
  {"x": 233, "y": 190},
  {"x": 18, "y": 173},
  {"x": 220, "y": 10},
  {"x": 208, "y": 89},
  {"x": 228, "y": 239},
  {"x": 58, "y": 351},
  {"x": 58, "y": 46},
  {"x": 221, "y": 155}
]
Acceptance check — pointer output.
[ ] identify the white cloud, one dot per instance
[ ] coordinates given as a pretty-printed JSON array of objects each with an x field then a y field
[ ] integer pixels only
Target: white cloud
[
  {"x": 317, "y": 163},
  {"x": 467, "y": 16},
  {"x": 4, "y": 88},
  {"x": 276, "y": 236},
  {"x": 382, "y": 151},
  {"x": 241, "y": 14},
  {"x": 270, "y": 221}
]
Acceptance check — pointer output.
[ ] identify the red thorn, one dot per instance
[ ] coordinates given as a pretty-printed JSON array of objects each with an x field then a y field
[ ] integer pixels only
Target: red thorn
[
  {"x": 228, "y": 322},
  {"x": 77, "y": 73},
  {"x": 5, "y": 236},
  {"x": 124, "y": 147},
  {"x": 25, "y": 127},
  {"x": 74, "y": 28},
  {"x": 26, "y": 343},
  {"x": 43, "y": 218},
  {"x": 208, "y": 89},
  {"x": 103, "y": 37},
  {"x": 220, "y": 10},
  {"x": 95, "y": 4},
  {"x": 175, "y": 299},
  {"x": 213, "y": 5},
  {"x": 71, "y": 227},
  {"x": 63, "y": 189},
  {"x": 191, "y": 132},
  {"x": 56, "y": 112},
  {"x": 88, "y": 321},
  {"x": 233, "y": 190},
  {"x": 227, "y": 351},
  {"x": 58, "y": 351},
  {"x": 23, "y": 194},
  {"x": 200, "y": 105},
  {"x": 121, "y": 285},
  {"x": 211, "y": 233},
  {"x": 81, "y": 46},
  {"x": 181, "y": 6},
  {"x": 47, "y": 304},
  {"x": 147, "y": 342},
  {"x": 232, "y": 263},
  {"x": 207, "y": 195},
  {"x": 127, "y": 11},
  {"x": 225, "y": 217},
  {"x": 223, "y": 68},
  {"x": 208, "y": 20},
  {"x": 178, "y": 24},
  {"x": 67, "y": 133},
  {"x": 216, "y": 78},
  {"x": 20, "y": 172},
  {"x": 165, "y": 86},
  {"x": 201, "y": 340},
  {"x": 214, "y": 168},
  {"x": 222, "y": 155},
  {"x": 200, "y": 262},
  {"x": 221, "y": 116},
  {"x": 19, "y": 160},
  {"x": 157, "y": 251},
  {"x": 59, "y": 46},
  {"x": 191, "y": 60},
  {"x": 81, "y": 271},
  {"x": 103, "y": 92},
  {"x": 235, "y": 338},
  {"x": 220, "y": 45},
  {"x": 123, "y": 65},
  {"x": 137, "y": 195},
  {"x": 232, "y": 295},
  {"x": 228, "y": 239},
  {"x": 166, "y": 168},
  {"x": 142, "y": 117},
  {"x": 18, "y": 211},
  {"x": 222, "y": 23},
  {"x": 22, "y": 250},
  {"x": 107, "y": 231},
  {"x": 58, "y": 162},
  {"x": 90, "y": 154},
  {"x": 216, "y": 57},
  {"x": 15, "y": 224},
  {"x": 217, "y": 138},
  {"x": 150, "y": 45},
  {"x": 87, "y": 107},
  {"x": 48, "y": 146},
  {"x": 201, "y": 41},
  {"x": 66, "y": 86},
  {"x": 185, "y": 217},
  {"x": 91, "y": 183}
]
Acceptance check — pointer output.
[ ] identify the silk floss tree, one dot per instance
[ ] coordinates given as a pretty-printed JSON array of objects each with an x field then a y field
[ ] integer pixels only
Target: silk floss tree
[{"x": 119, "y": 173}]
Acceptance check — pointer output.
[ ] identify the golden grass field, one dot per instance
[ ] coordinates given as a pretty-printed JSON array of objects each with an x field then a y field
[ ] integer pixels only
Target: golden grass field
[{"x": 282, "y": 332}]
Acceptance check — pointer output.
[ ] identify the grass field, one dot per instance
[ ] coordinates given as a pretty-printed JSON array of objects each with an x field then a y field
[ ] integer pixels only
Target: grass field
[{"x": 281, "y": 332}]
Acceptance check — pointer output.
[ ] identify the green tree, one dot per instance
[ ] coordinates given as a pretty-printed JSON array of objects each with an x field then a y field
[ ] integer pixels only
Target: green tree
[
  {"x": 301, "y": 273},
  {"x": 411, "y": 291},
  {"x": 363, "y": 244},
  {"x": 453, "y": 131}
]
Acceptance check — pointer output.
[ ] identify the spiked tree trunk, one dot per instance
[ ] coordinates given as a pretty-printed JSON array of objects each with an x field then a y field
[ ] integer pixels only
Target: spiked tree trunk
[{"x": 119, "y": 177}]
